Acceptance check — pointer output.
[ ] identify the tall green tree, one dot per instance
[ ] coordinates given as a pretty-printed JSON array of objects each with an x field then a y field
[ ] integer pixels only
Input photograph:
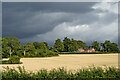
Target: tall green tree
[
  {"x": 46, "y": 44},
  {"x": 73, "y": 46},
  {"x": 114, "y": 47},
  {"x": 20, "y": 51},
  {"x": 12, "y": 43},
  {"x": 29, "y": 47},
  {"x": 43, "y": 45},
  {"x": 81, "y": 44},
  {"x": 36, "y": 45},
  {"x": 107, "y": 46},
  {"x": 96, "y": 45},
  {"x": 59, "y": 45},
  {"x": 66, "y": 43}
]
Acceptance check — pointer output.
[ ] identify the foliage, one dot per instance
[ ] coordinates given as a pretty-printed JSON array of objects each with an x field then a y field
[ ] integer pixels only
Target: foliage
[
  {"x": 5, "y": 62},
  {"x": 12, "y": 60},
  {"x": 58, "y": 45},
  {"x": 46, "y": 44},
  {"x": 107, "y": 46},
  {"x": 84, "y": 53},
  {"x": 42, "y": 45},
  {"x": 95, "y": 45},
  {"x": 29, "y": 47},
  {"x": 66, "y": 43},
  {"x": 81, "y": 44},
  {"x": 11, "y": 46},
  {"x": 61, "y": 74},
  {"x": 41, "y": 53},
  {"x": 71, "y": 45},
  {"x": 36, "y": 45},
  {"x": 5, "y": 52}
]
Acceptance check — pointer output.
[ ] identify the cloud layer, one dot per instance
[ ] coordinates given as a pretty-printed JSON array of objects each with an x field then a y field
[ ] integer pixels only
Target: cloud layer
[{"x": 41, "y": 21}]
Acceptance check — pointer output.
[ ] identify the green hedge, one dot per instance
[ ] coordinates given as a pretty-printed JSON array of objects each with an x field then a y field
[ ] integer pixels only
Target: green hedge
[
  {"x": 84, "y": 52},
  {"x": 61, "y": 74},
  {"x": 42, "y": 53},
  {"x": 12, "y": 60},
  {"x": 5, "y": 62}
]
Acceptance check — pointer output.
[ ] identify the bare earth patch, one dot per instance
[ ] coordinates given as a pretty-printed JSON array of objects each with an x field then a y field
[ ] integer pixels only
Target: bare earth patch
[{"x": 69, "y": 61}]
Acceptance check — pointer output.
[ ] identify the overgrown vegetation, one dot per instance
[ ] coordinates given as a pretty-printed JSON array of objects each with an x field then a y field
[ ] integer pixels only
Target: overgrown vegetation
[
  {"x": 12, "y": 60},
  {"x": 61, "y": 74},
  {"x": 11, "y": 46}
]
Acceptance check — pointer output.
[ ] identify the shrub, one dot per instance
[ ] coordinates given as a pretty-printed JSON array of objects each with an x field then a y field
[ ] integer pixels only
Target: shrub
[
  {"x": 52, "y": 53},
  {"x": 14, "y": 60},
  {"x": 41, "y": 53},
  {"x": 5, "y": 62},
  {"x": 109, "y": 73}
]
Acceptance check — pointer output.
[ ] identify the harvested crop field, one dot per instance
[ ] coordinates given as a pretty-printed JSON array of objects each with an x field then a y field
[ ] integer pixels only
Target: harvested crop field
[{"x": 69, "y": 61}]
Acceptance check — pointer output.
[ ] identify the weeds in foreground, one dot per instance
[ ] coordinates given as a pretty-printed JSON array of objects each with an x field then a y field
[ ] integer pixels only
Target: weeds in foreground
[{"x": 60, "y": 73}]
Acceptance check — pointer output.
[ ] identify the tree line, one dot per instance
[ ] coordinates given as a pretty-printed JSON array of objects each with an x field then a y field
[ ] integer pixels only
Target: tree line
[
  {"x": 11, "y": 46},
  {"x": 71, "y": 45}
]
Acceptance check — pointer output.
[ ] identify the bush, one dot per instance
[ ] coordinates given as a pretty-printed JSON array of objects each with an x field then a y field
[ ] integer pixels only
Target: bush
[
  {"x": 14, "y": 60},
  {"x": 108, "y": 73},
  {"x": 41, "y": 53},
  {"x": 51, "y": 53},
  {"x": 5, "y": 62}
]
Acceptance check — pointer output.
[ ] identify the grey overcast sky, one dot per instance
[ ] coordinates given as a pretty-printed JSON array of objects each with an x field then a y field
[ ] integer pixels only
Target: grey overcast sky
[{"x": 47, "y": 21}]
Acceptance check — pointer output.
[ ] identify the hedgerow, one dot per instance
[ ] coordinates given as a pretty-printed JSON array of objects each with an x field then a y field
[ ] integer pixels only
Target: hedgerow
[{"x": 61, "y": 74}]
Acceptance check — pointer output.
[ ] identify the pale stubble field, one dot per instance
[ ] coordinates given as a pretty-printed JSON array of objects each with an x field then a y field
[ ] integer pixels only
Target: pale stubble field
[{"x": 69, "y": 61}]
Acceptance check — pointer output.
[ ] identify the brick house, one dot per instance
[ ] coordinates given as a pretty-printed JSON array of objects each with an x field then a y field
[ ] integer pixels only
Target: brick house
[
  {"x": 81, "y": 50},
  {"x": 86, "y": 50}
]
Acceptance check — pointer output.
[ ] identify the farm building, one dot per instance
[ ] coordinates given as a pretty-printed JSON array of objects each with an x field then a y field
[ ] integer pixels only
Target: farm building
[
  {"x": 86, "y": 50},
  {"x": 81, "y": 50}
]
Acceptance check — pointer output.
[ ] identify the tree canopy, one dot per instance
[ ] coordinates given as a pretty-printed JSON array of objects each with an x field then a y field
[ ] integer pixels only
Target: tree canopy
[
  {"x": 11, "y": 46},
  {"x": 58, "y": 45}
]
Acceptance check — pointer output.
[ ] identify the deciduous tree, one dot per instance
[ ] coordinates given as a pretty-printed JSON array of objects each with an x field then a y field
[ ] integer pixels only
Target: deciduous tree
[{"x": 58, "y": 45}]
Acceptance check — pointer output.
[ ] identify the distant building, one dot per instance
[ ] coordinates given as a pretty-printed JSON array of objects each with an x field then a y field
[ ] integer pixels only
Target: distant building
[
  {"x": 81, "y": 50},
  {"x": 86, "y": 50},
  {"x": 93, "y": 50}
]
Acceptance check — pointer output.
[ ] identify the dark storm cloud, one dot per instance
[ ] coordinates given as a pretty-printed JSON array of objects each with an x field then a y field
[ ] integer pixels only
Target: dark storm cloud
[
  {"x": 27, "y": 19},
  {"x": 81, "y": 7},
  {"x": 42, "y": 21}
]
